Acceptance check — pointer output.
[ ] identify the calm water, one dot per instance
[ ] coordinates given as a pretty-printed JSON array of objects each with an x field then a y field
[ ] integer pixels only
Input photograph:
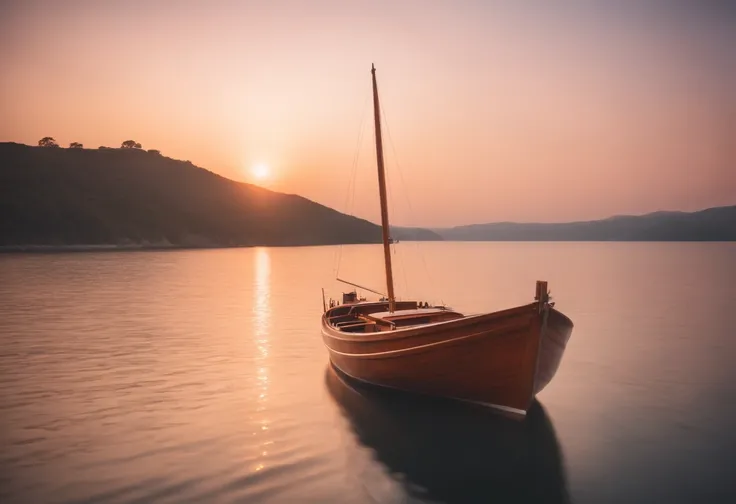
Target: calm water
[{"x": 201, "y": 376}]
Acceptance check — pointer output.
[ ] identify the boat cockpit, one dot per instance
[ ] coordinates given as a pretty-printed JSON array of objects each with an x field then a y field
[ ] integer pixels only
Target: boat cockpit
[{"x": 372, "y": 317}]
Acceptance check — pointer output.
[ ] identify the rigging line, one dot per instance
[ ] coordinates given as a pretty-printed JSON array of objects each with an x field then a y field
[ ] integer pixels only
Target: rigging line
[
  {"x": 352, "y": 182},
  {"x": 396, "y": 159},
  {"x": 350, "y": 197},
  {"x": 351, "y": 209},
  {"x": 408, "y": 201},
  {"x": 393, "y": 205},
  {"x": 396, "y": 250}
]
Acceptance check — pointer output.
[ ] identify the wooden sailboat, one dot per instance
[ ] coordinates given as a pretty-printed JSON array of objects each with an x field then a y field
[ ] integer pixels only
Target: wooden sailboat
[{"x": 499, "y": 359}]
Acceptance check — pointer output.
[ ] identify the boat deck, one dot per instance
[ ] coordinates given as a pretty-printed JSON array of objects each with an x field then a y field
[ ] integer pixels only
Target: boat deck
[{"x": 375, "y": 317}]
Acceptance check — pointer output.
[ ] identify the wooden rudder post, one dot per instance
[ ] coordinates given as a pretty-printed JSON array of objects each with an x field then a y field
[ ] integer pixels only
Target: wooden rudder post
[{"x": 542, "y": 295}]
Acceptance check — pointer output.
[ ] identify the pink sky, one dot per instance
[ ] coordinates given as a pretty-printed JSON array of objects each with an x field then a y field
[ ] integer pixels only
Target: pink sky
[{"x": 496, "y": 112}]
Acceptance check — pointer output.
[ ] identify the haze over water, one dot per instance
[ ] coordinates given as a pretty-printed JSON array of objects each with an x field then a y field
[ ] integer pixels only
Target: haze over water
[{"x": 201, "y": 376}]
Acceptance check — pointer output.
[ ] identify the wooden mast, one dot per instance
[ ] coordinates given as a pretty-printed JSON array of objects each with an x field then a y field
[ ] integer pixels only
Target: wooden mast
[{"x": 382, "y": 191}]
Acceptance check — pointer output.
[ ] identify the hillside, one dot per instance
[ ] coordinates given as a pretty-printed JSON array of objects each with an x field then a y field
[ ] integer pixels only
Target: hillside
[
  {"x": 713, "y": 224},
  {"x": 130, "y": 197},
  {"x": 414, "y": 234},
  {"x": 59, "y": 197}
]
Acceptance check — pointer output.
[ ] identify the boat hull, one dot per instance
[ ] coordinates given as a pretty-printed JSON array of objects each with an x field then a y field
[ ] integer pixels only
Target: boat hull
[{"x": 501, "y": 359}]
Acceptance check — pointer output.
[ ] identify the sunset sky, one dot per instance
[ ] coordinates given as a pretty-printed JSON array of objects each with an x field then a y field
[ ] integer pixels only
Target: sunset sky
[{"x": 496, "y": 111}]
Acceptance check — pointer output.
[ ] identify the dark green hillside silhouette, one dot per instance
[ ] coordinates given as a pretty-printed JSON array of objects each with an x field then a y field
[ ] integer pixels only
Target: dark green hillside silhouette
[{"x": 130, "y": 196}]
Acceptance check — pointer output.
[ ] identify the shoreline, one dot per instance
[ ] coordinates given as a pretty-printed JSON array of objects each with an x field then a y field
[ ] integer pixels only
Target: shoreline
[
  {"x": 40, "y": 249},
  {"x": 85, "y": 248},
  {"x": 136, "y": 247}
]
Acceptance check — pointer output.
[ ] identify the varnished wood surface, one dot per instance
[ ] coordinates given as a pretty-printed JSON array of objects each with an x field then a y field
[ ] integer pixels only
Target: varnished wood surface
[
  {"x": 382, "y": 193},
  {"x": 501, "y": 358}
]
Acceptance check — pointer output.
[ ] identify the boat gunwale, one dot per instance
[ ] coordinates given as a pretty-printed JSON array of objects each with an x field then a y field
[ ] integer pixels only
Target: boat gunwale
[{"x": 409, "y": 331}]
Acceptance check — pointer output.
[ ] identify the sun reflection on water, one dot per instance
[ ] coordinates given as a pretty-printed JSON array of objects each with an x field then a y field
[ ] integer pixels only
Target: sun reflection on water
[{"x": 261, "y": 327}]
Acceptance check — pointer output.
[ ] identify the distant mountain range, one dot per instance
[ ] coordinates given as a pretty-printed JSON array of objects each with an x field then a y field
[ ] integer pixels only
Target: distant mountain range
[
  {"x": 131, "y": 198},
  {"x": 713, "y": 224}
]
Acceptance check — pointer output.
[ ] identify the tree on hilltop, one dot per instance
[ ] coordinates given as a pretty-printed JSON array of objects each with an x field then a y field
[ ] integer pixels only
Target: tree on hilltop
[
  {"x": 47, "y": 142},
  {"x": 76, "y": 145},
  {"x": 130, "y": 144}
]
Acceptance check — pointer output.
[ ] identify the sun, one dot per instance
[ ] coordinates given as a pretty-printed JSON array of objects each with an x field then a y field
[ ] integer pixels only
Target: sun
[{"x": 260, "y": 171}]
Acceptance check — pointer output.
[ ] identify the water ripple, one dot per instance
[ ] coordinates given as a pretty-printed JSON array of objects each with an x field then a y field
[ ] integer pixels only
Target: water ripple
[{"x": 199, "y": 376}]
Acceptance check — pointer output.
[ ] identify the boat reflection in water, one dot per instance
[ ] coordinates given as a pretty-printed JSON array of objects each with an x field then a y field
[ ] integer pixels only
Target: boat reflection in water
[{"x": 446, "y": 451}]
